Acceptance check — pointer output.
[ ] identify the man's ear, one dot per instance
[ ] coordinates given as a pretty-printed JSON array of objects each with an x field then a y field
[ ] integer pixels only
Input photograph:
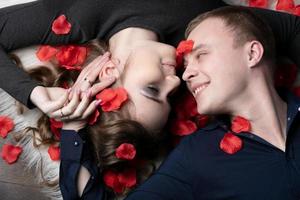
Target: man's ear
[
  {"x": 255, "y": 52},
  {"x": 109, "y": 70}
]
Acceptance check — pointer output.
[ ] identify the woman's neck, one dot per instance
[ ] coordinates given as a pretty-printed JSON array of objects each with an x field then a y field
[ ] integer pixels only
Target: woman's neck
[
  {"x": 266, "y": 111},
  {"x": 121, "y": 43}
]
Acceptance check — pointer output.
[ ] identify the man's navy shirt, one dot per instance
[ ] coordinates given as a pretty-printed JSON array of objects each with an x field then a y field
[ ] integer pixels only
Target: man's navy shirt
[{"x": 199, "y": 169}]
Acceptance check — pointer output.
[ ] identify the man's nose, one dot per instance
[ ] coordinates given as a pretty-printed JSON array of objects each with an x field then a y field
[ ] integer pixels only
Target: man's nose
[{"x": 189, "y": 72}]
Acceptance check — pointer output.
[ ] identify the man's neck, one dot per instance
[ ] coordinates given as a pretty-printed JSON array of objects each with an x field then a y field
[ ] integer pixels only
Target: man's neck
[{"x": 266, "y": 112}]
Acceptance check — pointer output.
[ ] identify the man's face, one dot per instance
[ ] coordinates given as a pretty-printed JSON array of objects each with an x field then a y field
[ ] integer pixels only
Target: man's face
[{"x": 216, "y": 72}]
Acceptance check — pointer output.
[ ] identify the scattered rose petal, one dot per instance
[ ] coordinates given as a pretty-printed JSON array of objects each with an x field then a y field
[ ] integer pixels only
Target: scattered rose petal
[
  {"x": 128, "y": 178},
  {"x": 6, "y": 125},
  {"x": 46, "y": 52},
  {"x": 55, "y": 127},
  {"x": 240, "y": 124},
  {"x": 231, "y": 143},
  {"x": 183, "y": 48},
  {"x": 258, "y": 3},
  {"x": 71, "y": 55},
  {"x": 126, "y": 151},
  {"x": 112, "y": 99},
  {"x": 93, "y": 118},
  {"x": 61, "y": 26},
  {"x": 285, "y": 5},
  {"x": 77, "y": 68},
  {"x": 54, "y": 152},
  {"x": 182, "y": 127},
  {"x": 10, "y": 153}
]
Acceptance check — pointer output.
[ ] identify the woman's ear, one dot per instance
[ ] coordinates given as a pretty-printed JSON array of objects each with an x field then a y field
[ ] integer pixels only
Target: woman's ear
[
  {"x": 255, "y": 52},
  {"x": 110, "y": 69}
]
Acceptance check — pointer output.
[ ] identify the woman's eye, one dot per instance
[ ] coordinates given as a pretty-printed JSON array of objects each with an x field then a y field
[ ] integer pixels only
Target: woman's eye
[{"x": 153, "y": 90}]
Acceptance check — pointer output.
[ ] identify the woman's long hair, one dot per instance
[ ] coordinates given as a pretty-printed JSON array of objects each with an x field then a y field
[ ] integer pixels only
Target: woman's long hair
[{"x": 111, "y": 129}]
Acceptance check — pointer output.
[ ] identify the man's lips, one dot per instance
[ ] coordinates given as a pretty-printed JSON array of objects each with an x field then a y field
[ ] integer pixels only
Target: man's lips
[{"x": 198, "y": 88}]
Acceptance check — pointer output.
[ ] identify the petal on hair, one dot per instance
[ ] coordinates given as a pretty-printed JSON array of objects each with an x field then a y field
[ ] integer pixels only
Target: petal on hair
[
  {"x": 128, "y": 177},
  {"x": 126, "y": 151},
  {"x": 46, "y": 52},
  {"x": 61, "y": 26},
  {"x": 183, "y": 48},
  {"x": 240, "y": 124},
  {"x": 71, "y": 56},
  {"x": 231, "y": 143},
  {"x": 93, "y": 118},
  {"x": 6, "y": 125},
  {"x": 10, "y": 153},
  {"x": 112, "y": 99},
  {"x": 296, "y": 10},
  {"x": 54, "y": 152}
]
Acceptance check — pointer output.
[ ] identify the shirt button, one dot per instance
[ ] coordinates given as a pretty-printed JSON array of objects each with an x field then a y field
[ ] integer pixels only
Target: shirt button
[
  {"x": 299, "y": 109},
  {"x": 92, "y": 177},
  {"x": 289, "y": 118},
  {"x": 76, "y": 143}
]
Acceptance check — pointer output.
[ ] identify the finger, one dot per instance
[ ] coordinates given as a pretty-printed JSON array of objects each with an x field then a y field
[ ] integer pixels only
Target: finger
[
  {"x": 81, "y": 107},
  {"x": 56, "y": 105},
  {"x": 90, "y": 109},
  {"x": 96, "y": 88},
  {"x": 68, "y": 109},
  {"x": 95, "y": 67}
]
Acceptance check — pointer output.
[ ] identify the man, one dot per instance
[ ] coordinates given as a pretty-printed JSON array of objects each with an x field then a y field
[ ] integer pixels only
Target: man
[{"x": 229, "y": 72}]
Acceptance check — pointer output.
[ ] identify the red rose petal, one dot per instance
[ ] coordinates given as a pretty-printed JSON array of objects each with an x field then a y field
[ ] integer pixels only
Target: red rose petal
[
  {"x": 106, "y": 95},
  {"x": 126, "y": 151},
  {"x": 183, "y": 127},
  {"x": 231, "y": 143},
  {"x": 112, "y": 99},
  {"x": 77, "y": 68},
  {"x": 285, "y": 5},
  {"x": 128, "y": 178},
  {"x": 109, "y": 178},
  {"x": 71, "y": 56},
  {"x": 258, "y": 3},
  {"x": 296, "y": 10},
  {"x": 93, "y": 118},
  {"x": 46, "y": 52},
  {"x": 54, "y": 152},
  {"x": 10, "y": 153},
  {"x": 240, "y": 124},
  {"x": 55, "y": 127},
  {"x": 6, "y": 125},
  {"x": 61, "y": 26},
  {"x": 184, "y": 47}
]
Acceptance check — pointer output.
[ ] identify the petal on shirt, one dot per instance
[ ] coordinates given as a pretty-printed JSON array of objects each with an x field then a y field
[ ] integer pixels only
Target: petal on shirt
[
  {"x": 231, "y": 143},
  {"x": 61, "y": 26},
  {"x": 240, "y": 124}
]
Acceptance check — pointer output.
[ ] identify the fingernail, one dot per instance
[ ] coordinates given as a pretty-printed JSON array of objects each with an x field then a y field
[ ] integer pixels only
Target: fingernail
[
  {"x": 98, "y": 102},
  {"x": 77, "y": 91}
]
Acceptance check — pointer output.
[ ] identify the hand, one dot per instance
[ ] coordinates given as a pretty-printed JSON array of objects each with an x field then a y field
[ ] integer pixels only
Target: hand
[
  {"x": 75, "y": 115},
  {"x": 88, "y": 76},
  {"x": 49, "y": 99}
]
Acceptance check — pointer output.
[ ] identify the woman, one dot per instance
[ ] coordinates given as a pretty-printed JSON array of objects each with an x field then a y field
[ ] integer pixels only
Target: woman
[{"x": 114, "y": 22}]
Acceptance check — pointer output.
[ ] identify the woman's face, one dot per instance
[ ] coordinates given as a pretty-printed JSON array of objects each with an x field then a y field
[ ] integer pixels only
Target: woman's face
[{"x": 149, "y": 78}]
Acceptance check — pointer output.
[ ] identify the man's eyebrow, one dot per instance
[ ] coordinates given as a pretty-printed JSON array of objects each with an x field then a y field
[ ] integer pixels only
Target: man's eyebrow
[{"x": 199, "y": 46}]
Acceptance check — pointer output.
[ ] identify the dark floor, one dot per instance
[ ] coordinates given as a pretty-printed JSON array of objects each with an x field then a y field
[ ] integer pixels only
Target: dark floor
[{"x": 16, "y": 183}]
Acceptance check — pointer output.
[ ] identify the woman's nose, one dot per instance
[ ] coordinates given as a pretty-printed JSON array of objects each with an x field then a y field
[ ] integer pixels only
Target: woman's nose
[{"x": 173, "y": 82}]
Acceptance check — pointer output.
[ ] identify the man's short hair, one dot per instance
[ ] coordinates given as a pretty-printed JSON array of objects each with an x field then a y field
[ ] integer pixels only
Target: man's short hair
[{"x": 244, "y": 24}]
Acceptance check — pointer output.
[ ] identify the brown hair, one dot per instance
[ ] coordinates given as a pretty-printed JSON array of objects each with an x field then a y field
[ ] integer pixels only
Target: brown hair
[
  {"x": 111, "y": 129},
  {"x": 245, "y": 24}
]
